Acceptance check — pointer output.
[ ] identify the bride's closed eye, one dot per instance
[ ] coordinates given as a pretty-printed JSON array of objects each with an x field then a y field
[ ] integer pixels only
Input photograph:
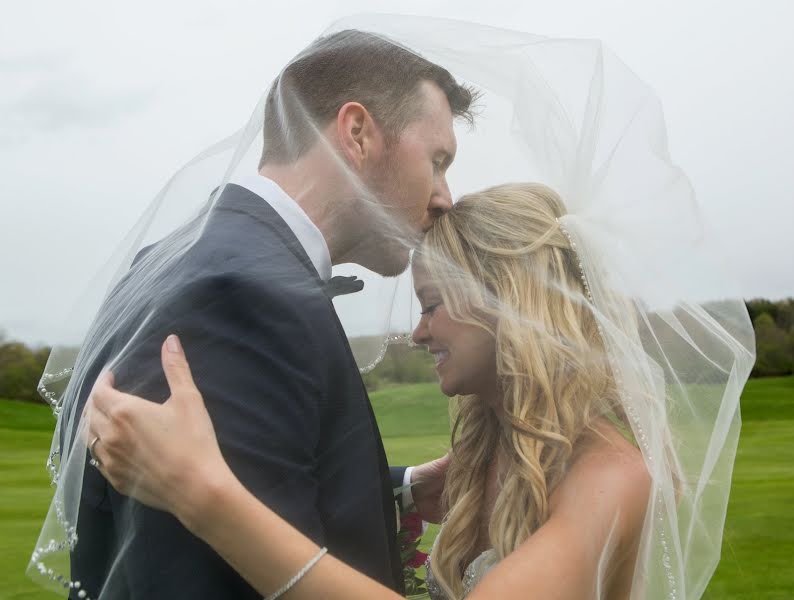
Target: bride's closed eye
[{"x": 429, "y": 310}]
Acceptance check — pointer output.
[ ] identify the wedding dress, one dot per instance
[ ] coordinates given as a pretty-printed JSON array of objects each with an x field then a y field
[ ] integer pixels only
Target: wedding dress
[{"x": 476, "y": 570}]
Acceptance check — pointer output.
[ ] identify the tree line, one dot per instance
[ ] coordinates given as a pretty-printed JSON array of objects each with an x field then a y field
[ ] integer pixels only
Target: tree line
[
  {"x": 774, "y": 336},
  {"x": 21, "y": 366}
]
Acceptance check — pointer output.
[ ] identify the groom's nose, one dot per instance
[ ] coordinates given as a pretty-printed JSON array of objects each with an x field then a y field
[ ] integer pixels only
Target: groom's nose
[{"x": 440, "y": 201}]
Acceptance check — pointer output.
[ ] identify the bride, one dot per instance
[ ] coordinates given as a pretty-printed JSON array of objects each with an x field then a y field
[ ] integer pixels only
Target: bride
[{"x": 548, "y": 493}]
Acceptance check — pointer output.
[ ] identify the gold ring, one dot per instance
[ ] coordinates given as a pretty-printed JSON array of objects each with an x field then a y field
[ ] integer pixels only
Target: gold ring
[{"x": 94, "y": 462}]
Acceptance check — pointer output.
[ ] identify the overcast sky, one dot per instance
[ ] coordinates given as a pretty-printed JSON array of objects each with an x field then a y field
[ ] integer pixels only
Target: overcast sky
[{"x": 102, "y": 101}]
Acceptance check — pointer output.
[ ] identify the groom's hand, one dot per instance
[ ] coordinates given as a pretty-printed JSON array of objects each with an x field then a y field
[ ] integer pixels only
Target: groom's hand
[{"x": 428, "y": 485}]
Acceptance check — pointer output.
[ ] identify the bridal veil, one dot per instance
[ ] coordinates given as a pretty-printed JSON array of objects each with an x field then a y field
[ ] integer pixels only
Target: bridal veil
[{"x": 564, "y": 112}]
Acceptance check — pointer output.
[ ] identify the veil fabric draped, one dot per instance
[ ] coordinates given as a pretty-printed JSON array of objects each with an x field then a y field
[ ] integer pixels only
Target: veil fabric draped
[{"x": 564, "y": 112}]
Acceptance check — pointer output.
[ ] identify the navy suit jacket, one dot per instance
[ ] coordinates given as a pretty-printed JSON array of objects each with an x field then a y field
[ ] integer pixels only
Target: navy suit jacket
[{"x": 290, "y": 409}]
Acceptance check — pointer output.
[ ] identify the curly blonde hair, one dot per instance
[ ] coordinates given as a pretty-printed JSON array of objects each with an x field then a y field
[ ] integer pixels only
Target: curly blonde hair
[{"x": 502, "y": 262}]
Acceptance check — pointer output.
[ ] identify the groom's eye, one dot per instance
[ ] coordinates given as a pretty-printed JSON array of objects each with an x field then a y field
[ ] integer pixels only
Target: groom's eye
[{"x": 441, "y": 163}]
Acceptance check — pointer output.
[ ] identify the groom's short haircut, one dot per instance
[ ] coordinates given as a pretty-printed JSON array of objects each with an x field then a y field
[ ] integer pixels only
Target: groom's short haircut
[{"x": 350, "y": 66}]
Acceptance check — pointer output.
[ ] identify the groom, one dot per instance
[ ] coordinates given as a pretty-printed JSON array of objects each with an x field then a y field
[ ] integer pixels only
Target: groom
[{"x": 358, "y": 136}]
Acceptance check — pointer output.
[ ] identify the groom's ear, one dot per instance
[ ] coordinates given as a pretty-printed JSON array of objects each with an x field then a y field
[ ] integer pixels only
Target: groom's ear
[{"x": 360, "y": 138}]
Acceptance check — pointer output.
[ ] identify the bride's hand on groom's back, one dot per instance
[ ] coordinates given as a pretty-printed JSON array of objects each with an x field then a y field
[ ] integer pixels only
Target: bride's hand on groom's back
[{"x": 164, "y": 455}]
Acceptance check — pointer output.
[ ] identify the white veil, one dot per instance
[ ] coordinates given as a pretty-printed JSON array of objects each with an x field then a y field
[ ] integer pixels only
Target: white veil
[{"x": 563, "y": 112}]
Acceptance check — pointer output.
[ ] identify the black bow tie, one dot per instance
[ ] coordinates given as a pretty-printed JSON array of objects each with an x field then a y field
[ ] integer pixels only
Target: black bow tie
[{"x": 340, "y": 285}]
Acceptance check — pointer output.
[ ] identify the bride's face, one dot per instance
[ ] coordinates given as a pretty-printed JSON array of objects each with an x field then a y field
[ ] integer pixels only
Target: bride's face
[{"x": 465, "y": 354}]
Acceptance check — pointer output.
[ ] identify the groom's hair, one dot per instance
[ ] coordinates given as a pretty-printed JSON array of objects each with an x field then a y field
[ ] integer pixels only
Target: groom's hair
[{"x": 350, "y": 66}]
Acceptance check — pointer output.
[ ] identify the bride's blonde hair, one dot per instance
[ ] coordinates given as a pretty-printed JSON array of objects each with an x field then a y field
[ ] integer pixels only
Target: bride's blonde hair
[{"x": 502, "y": 263}]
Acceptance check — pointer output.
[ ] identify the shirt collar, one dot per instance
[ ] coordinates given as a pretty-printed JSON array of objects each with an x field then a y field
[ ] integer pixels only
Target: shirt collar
[{"x": 294, "y": 216}]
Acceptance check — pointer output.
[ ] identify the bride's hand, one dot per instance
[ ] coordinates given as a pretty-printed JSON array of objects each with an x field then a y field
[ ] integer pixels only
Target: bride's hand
[{"x": 164, "y": 455}]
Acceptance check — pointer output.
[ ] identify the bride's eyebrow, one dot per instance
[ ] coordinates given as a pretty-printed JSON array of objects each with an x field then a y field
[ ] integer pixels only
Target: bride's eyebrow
[{"x": 424, "y": 291}]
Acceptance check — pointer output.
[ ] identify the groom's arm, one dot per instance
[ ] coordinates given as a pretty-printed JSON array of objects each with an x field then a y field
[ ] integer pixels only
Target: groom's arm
[
  {"x": 255, "y": 361},
  {"x": 401, "y": 483},
  {"x": 422, "y": 487}
]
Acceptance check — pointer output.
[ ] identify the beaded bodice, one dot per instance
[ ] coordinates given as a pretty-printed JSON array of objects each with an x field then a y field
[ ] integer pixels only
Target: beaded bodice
[{"x": 471, "y": 576}]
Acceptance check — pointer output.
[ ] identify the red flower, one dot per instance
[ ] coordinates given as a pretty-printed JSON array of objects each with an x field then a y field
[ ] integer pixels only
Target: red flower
[
  {"x": 412, "y": 524},
  {"x": 418, "y": 560},
  {"x": 409, "y": 537}
]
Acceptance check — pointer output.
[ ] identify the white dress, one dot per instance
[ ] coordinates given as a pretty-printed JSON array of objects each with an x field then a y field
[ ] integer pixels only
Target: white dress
[{"x": 471, "y": 576}]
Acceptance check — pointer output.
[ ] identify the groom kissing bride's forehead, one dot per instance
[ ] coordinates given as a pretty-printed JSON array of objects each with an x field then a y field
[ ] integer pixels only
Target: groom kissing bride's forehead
[
  {"x": 360, "y": 131},
  {"x": 358, "y": 136}
]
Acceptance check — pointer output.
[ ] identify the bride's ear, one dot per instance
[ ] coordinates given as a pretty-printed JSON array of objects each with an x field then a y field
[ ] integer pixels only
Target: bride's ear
[{"x": 360, "y": 139}]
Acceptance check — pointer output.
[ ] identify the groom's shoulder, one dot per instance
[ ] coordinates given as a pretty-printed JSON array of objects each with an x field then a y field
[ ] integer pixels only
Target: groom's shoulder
[
  {"x": 236, "y": 257},
  {"x": 263, "y": 279},
  {"x": 240, "y": 211},
  {"x": 243, "y": 226},
  {"x": 243, "y": 235}
]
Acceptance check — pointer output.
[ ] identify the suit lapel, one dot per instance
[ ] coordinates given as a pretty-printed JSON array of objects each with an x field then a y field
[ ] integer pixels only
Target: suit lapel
[
  {"x": 239, "y": 199},
  {"x": 387, "y": 492}
]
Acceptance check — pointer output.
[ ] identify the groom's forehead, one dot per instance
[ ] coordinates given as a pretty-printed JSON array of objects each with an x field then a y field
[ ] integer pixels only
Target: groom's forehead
[
  {"x": 434, "y": 118},
  {"x": 433, "y": 102}
]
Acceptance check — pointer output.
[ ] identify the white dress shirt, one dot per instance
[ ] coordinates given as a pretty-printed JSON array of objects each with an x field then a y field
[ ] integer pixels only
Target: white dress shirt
[{"x": 296, "y": 219}]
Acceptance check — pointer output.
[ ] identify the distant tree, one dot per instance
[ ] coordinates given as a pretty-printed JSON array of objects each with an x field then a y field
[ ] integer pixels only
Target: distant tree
[
  {"x": 20, "y": 371},
  {"x": 781, "y": 311},
  {"x": 758, "y": 306},
  {"x": 785, "y": 317},
  {"x": 774, "y": 348}
]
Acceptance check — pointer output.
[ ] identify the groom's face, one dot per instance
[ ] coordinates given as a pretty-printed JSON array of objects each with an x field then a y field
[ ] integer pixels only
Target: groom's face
[{"x": 411, "y": 180}]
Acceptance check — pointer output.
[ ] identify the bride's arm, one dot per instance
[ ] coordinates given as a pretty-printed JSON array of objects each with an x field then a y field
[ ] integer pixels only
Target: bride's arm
[
  {"x": 166, "y": 455},
  {"x": 266, "y": 550}
]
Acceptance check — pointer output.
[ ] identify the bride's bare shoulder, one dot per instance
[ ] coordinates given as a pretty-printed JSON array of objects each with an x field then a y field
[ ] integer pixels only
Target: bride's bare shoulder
[{"x": 607, "y": 481}]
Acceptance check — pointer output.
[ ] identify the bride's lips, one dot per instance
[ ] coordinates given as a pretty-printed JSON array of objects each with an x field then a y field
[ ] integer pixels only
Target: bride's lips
[{"x": 441, "y": 356}]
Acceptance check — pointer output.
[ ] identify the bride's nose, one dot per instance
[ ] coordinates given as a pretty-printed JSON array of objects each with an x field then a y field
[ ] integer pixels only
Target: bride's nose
[{"x": 421, "y": 334}]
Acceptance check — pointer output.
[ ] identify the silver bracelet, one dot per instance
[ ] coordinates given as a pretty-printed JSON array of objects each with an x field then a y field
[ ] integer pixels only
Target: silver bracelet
[{"x": 298, "y": 576}]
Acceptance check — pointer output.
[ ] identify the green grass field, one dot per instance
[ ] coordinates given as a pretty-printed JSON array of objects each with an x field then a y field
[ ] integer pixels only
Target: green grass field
[{"x": 758, "y": 550}]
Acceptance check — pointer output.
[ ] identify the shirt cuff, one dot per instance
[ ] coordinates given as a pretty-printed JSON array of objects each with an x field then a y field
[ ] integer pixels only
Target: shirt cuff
[{"x": 408, "y": 497}]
